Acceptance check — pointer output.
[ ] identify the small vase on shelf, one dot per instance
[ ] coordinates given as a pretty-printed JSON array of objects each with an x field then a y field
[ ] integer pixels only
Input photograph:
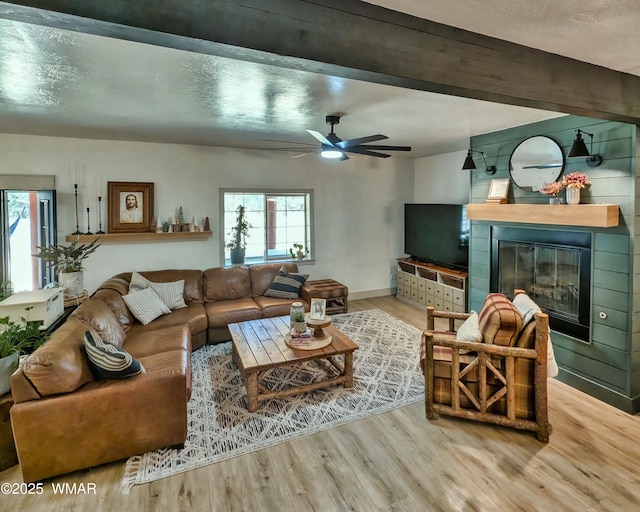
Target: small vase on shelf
[
  {"x": 555, "y": 200},
  {"x": 573, "y": 195}
]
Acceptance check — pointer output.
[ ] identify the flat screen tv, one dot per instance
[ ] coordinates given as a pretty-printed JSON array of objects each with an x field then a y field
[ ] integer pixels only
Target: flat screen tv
[{"x": 437, "y": 233}]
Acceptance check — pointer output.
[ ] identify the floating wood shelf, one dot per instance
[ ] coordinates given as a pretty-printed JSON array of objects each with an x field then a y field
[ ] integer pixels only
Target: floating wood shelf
[
  {"x": 110, "y": 238},
  {"x": 589, "y": 215}
]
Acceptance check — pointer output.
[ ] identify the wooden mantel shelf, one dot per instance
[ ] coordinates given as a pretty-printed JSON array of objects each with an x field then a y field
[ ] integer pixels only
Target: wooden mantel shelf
[
  {"x": 181, "y": 236},
  {"x": 590, "y": 215}
]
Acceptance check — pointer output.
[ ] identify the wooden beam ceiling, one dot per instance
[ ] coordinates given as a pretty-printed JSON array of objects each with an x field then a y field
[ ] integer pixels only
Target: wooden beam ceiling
[{"x": 353, "y": 39}]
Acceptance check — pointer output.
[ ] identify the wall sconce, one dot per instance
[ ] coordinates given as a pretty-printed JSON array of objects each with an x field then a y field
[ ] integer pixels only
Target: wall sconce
[
  {"x": 579, "y": 148},
  {"x": 469, "y": 164}
]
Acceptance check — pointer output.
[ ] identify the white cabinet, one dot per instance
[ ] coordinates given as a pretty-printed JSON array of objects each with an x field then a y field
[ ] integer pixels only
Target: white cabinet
[{"x": 423, "y": 284}]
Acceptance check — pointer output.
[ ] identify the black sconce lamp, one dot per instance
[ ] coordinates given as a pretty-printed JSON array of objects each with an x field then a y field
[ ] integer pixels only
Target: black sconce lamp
[
  {"x": 579, "y": 148},
  {"x": 469, "y": 164}
]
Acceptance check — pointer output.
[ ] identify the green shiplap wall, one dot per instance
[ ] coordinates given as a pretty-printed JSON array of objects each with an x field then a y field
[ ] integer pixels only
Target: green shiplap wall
[{"x": 607, "y": 367}]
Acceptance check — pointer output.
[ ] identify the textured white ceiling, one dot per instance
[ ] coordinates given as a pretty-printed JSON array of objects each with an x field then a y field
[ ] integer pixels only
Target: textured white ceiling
[{"x": 54, "y": 82}]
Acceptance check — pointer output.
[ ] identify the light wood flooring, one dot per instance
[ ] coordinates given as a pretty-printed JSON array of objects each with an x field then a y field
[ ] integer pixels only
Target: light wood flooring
[{"x": 398, "y": 461}]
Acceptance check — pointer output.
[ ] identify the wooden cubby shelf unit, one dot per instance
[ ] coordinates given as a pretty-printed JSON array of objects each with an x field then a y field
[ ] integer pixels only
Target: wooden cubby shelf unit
[
  {"x": 424, "y": 284},
  {"x": 119, "y": 238}
]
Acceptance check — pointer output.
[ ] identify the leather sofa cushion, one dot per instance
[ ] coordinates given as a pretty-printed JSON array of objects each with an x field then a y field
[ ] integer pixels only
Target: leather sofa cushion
[
  {"x": 272, "y": 306},
  {"x": 192, "y": 282},
  {"x": 223, "y": 312},
  {"x": 118, "y": 283},
  {"x": 113, "y": 299},
  {"x": 145, "y": 343},
  {"x": 262, "y": 276},
  {"x": 193, "y": 316},
  {"x": 60, "y": 365},
  {"x": 99, "y": 316},
  {"x": 226, "y": 283}
]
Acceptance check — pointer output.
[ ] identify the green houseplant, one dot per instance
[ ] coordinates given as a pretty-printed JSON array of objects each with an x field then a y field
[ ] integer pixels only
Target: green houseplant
[
  {"x": 238, "y": 237},
  {"x": 16, "y": 338},
  {"x": 68, "y": 262},
  {"x": 299, "y": 251}
]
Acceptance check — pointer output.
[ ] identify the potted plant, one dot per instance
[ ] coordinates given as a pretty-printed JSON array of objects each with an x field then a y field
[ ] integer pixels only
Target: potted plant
[
  {"x": 574, "y": 182},
  {"x": 238, "y": 237},
  {"x": 68, "y": 261},
  {"x": 298, "y": 251},
  {"x": 16, "y": 338}
]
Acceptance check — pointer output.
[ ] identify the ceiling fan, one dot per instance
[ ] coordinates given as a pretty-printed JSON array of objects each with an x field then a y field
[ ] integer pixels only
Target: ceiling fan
[{"x": 334, "y": 147}]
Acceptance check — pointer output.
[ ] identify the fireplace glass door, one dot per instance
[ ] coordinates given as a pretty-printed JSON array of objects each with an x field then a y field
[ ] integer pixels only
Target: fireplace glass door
[
  {"x": 552, "y": 267},
  {"x": 549, "y": 275}
]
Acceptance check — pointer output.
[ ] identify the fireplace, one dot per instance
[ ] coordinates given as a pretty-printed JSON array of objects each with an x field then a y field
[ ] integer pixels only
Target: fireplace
[{"x": 553, "y": 267}]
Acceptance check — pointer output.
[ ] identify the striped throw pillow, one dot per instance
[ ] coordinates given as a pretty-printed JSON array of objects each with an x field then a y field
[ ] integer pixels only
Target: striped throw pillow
[
  {"x": 499, "y": 320},
  {"x": 286, "y": 285},
  {"x": 145, "y": 305},
  {"x": 172, "y": 294},
  {"x": 109, "y": 361}
]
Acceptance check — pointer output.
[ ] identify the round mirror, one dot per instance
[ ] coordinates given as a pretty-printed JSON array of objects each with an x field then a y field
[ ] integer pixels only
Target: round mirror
[{"x": 535, "y": 162}]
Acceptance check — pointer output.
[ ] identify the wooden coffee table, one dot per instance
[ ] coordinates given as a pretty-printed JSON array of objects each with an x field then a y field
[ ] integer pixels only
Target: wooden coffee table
[{"x": 259, "y": 346}]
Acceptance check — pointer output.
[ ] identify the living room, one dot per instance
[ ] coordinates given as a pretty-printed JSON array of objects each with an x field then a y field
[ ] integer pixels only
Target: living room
[{"x": 358, "y": 234}]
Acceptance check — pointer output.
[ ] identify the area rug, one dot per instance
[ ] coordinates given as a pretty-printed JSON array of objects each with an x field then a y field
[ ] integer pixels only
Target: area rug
[{"x": 386, "y": 376}]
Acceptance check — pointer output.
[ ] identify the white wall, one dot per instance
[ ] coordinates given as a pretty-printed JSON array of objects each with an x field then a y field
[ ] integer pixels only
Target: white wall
[
  {"x": 358, "y": 203},
  {"x": 439, "y": 179}
]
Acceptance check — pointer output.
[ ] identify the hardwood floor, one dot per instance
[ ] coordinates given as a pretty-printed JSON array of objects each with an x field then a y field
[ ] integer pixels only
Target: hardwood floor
[{"x": 397, "y": 461}]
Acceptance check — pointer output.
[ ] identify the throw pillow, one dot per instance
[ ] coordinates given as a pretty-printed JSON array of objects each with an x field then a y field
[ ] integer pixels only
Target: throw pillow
[
  {"x": 286, "y": 285},
  {"x": 526, "y": 307},
  {"x": 470, "y": 329},
  {"x": 170, "y": 293},
  {"x": 500, "y": 321},
  {"x": 109, "y": 361},
  {"x": 145, "y": 305}
]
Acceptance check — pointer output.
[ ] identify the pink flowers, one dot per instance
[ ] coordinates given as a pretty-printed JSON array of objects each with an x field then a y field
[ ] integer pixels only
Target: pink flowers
[
  {"x": 552, "y": 189},
  {"x": 576, "y": 179}
]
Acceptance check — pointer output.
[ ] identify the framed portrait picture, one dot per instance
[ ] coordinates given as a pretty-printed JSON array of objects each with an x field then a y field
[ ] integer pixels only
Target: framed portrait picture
[
  {"x": 130, "y": 206},
  {"x": 318, "y": 309},
  {"x": 498, "y": 191}
]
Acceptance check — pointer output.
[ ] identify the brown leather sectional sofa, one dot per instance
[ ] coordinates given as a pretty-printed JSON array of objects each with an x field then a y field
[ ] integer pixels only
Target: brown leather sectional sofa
[{"x": 64, "y": 420}]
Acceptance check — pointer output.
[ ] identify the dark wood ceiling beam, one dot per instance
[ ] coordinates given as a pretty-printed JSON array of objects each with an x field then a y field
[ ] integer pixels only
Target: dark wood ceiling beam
[{"x": 356, "y": 40}]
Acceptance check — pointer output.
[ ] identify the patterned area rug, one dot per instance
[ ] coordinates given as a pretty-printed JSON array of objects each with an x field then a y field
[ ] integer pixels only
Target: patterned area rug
[{"x": 386, "y": 376}]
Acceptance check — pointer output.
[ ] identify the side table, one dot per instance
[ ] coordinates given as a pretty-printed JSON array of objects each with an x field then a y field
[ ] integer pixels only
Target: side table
[
  {"x": 8, "y": 456},
  {"x": 336, "y": 294}
]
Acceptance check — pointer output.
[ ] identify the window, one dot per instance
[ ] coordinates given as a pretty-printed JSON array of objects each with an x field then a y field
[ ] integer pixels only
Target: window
[
  {"x": 278, "y": 219},
  {"x": 27, "y": 219}
]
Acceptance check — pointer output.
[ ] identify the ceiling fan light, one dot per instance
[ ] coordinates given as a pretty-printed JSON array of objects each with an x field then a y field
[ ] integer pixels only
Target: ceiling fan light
[{"x": 331, "y": 153}]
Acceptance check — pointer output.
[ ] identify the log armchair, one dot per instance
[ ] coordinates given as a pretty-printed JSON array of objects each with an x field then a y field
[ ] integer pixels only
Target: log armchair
[{"x": 501, "y": 380}]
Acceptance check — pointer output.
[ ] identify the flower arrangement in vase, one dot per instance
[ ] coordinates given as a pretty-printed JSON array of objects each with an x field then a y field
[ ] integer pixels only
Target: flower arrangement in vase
[
  {"x": 574, "y": 182},
  {"x": 552, "y": 190}
]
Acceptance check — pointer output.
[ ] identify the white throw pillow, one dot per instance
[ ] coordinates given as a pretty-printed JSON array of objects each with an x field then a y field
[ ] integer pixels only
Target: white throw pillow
[
  {"x": 170, "y": 293},
  {"x": 145, "y": 305},
  {"x": 470, "y": 329},
  {"x": 526, "y": 307}
]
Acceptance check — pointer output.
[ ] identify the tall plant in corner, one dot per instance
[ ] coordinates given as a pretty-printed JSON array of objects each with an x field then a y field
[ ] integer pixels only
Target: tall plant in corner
[
  {"x": 68, "y": 261},
  {"x": 238, "y": 237}
]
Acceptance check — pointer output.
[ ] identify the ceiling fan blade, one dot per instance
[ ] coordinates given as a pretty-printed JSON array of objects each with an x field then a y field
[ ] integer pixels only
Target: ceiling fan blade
[
  {"x": 311, "y": 146},
  {"x": 305, "y": 154},
  {"x": 287, "y": 142},
  {"x": 387, "y": 148},
  {"x": 360, "y": 150},
  {"x": 320, "y": 137},
  {"x": 356, "y": 142}
]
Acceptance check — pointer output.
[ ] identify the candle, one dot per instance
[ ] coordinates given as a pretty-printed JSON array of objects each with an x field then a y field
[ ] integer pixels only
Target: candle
[{"x": 76, "y": 166}]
